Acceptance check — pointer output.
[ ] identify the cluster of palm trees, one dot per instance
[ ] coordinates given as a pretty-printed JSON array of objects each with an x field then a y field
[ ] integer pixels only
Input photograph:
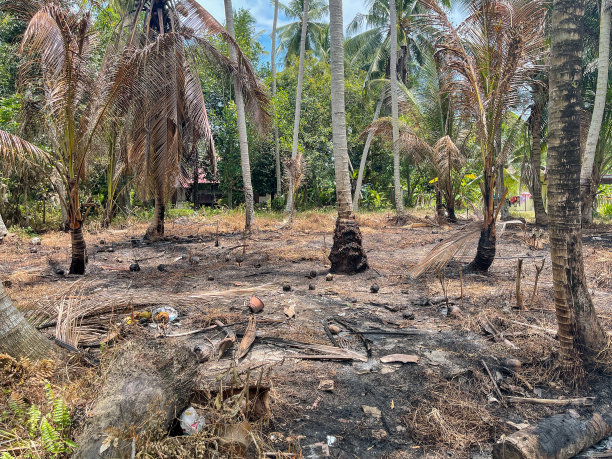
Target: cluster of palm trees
[{"x": 143, "y": 103}]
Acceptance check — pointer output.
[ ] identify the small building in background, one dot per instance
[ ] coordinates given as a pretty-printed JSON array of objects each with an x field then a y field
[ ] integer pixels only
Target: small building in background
[{"x": 208, "y": 191}]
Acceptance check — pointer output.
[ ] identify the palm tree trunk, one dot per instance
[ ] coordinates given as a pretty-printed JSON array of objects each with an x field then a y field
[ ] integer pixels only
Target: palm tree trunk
[
  {"x": 18, "y": 337},
  {"x": 581, "y": 336},
  {"x": 279, "y": 185},
  {"x": 347, "y": 255},
  {"x": 156, "y": 228},
  {"x": 242, "y": 129},
  {"x": 3, "y": 230},
  {"x": 587, "y": 192},
  {"x": 440, "y": 215},
  {"x": 79, "y": 249},
  {"x": 485, "y": 253},
  {"x": 536, "y": 161},
  {"x": 298, "y": 107},
  {"x": 500, "y": 191},
  {"x": 364, "y": 155},
  {"x": 399, "y": 203}
]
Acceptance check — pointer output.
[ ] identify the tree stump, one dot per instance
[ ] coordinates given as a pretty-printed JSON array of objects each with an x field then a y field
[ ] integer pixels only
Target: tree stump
[
  {"x": 147, "y": 386},
  {"x": 558, "y": 437},
  {"x": 347, "y": 255}
]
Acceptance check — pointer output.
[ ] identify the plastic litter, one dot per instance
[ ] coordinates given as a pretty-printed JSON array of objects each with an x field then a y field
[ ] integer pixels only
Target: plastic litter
[
  {"x": 159, "y": 312},
  {"x": 190, "y": 421}
]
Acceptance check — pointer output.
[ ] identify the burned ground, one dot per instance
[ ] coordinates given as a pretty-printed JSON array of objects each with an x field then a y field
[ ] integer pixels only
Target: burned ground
[{"x": 446, "y": 403}]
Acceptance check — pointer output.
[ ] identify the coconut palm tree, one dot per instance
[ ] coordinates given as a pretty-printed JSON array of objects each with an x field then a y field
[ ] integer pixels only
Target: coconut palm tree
[
  {"x": 347, "y": 254},
  {"x": 397, "y": 186},
  {"x": 242, "y": 128},
  {"x": 58, "y": 46},
  {"x": 364, "y": 154},
  {"x": 580, "y": 333},
  {"x": 298, "y": 108},
  {"x": 177, "y": 35},
  {"x": 18, "y": 337},
  {"x": 414, "y": 142},
  {"x": 587, "y": 191},
  {"x": 539, "y": 97},
  {"x": 291, "y": 35},
  {"x": 489, "y": 61},
  {"x": 371, "y": 47},
  {"x": 279, "y": 185}
]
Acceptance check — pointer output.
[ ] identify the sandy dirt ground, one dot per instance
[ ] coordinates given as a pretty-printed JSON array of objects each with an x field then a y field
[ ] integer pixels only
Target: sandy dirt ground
[{"x": 343, "y": 402}]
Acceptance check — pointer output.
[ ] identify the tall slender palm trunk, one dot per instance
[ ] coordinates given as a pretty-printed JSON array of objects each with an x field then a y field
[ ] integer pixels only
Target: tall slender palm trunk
[
  {"x": 18, "y": 337},
  {"x": 279, "y": 184},
  {"x": 581, "y": 336},
  {"x": 3, "y": 230},
  {"x": 298, "y": 108},
  {"x": 587, "y": 187},
  {"x": 364, "y": 155},
  {"x": 79, "y": 249},
  {"x": 242, "y": 129},
  {"x": 397, "y": 185},
  {"x": 541, "y": 217},
  {"x": 347, "y": 255}
]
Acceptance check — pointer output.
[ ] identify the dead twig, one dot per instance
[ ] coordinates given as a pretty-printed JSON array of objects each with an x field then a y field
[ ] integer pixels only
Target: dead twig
[
  {"x": 501, "y": 397},
  {"x": 519, "y": 294},
  {"x": 580, "y": 401},
  {"x": 535, "y": 284}
]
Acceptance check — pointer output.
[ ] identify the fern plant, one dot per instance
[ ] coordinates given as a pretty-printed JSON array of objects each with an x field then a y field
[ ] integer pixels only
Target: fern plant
[{"x": 46, "y": 431}]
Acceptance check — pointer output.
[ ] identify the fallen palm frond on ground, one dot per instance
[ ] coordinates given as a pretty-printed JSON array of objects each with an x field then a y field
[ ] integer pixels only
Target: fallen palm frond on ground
[
  {"x": 444, "y": 252},
  {"x": 437, "y": 259}
]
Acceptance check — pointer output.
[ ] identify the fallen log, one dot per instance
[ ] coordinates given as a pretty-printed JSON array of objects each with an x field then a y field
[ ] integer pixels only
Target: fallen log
[
  {"x": 580, "y": 401},
  {"x": 558, "y": 437},
  {"x": 147, "y": 386}
]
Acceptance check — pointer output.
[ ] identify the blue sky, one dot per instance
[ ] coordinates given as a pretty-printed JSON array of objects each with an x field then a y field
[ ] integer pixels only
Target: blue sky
[{"x": 263, "y": 11}]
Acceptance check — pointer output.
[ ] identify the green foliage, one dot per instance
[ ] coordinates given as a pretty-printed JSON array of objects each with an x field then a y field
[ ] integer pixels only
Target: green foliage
[
  {"x": 606, "y": 210},
  {"x": 41, "y": 431}
]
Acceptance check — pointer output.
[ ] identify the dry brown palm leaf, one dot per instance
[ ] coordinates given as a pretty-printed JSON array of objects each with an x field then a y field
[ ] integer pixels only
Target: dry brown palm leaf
[
  {"x": 410, "y": 144},
  {"x": 248, "y": 339},
  {"x": 444, "y": 252},
  {"x": 13, "y": 147}
]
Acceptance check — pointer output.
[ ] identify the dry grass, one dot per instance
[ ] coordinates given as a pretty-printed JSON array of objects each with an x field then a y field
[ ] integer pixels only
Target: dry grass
[{"x": 454, "y": 415}]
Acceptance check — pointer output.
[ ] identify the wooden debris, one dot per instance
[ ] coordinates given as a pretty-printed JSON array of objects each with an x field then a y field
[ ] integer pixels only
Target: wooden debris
[
  {"x": 519, "y": 294},
  {"x": 226, "y": 343},
  {"x": 326, "y": 385},
  {"x": 489, "y": 328},
  {"x": 249, "y": 337},
  {"x": 535, "y": 283},
  {"x": 558, "y": 437},
  {"x": 580, "y": 401},
  {"x": 400, "y": 358},
  {"x": 372, "y": 411},
  {"x": 146, "y": 384},
  {"x": 289, "y": 311},
  {"x": 501, "y": 397}
]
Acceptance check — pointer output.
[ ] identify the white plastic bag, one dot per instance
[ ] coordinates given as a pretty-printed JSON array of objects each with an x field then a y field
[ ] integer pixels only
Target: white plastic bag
[{"x": 191, "y": 421}]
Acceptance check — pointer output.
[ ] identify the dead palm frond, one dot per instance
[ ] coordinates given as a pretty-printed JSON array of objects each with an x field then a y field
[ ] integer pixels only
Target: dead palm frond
[
  {"x": 168, "y": 117},
  {"x": 410, "y": 144},
  {"x": 446, "y": 159},
  {"x": 444, "y": 252}
]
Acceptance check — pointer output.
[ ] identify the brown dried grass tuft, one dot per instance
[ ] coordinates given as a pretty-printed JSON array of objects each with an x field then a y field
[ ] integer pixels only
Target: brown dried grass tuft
[{"x": 454, "y": 416}]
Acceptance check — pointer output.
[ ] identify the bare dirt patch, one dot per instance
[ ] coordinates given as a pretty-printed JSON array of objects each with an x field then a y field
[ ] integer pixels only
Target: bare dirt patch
[{"x": 446, "y": 403}]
